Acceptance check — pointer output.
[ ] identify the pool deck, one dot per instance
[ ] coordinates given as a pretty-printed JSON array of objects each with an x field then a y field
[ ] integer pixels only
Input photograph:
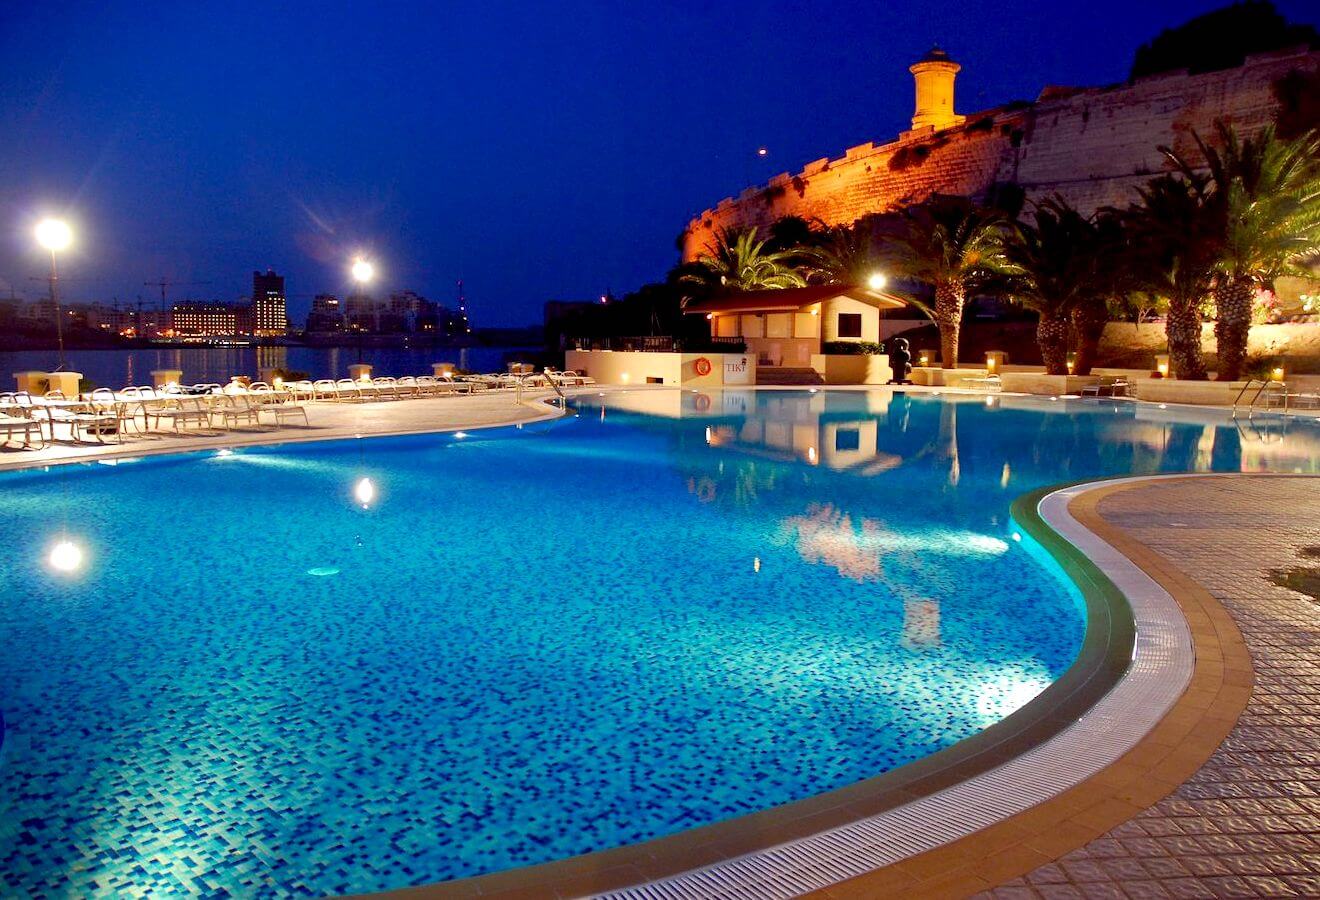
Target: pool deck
[
  {"x": 1207, "y": 805},
  {"x": 327, "y": 420},
  {"x": 1247, "y": 823}
]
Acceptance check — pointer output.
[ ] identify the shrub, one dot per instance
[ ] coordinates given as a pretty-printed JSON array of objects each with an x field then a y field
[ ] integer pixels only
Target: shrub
[
  {"x": 852, "y": 348},
  {"x": 1258, "y": 366}
]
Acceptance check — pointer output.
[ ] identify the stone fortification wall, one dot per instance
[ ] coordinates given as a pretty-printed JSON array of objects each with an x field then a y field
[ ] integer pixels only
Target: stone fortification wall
[{"x": 1093, "y": 146}]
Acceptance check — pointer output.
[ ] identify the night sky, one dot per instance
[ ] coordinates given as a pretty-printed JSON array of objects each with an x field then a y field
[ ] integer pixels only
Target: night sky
[{"x": 537, "y": 151}]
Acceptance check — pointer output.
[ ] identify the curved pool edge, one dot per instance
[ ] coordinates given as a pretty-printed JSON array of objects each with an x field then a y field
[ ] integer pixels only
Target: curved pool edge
[{"x": 927, "y": 804}]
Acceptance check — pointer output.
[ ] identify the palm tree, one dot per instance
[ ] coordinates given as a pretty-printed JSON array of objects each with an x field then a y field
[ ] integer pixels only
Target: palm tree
[
  {"x": 1054, "y": 266},
  {"x": 1264, "y": 197},
  {"x": 1110, "y": 283},
  {"x": 952, "y": 244},
  {"x": 738, "y": 261},
  {"x": 844, "y": 255},
  {"x": 1172, "y": 232}
]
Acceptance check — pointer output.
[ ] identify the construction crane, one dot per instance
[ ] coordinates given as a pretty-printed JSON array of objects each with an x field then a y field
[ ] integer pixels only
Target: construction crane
[{"x": 166, "y": 283}]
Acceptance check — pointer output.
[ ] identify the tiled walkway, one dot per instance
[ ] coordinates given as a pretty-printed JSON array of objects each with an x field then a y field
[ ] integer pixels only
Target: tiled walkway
[{"x": 1248, "y": 823}]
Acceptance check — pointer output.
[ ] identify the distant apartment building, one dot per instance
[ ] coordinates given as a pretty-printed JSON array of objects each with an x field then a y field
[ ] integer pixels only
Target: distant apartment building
[
  {"x": 361, "y": 313},
  {"x": 270, "y": 316},
  {"x": 38, "y": 312},
  {"x": 111, "y": 319},
  {"x": 403, "y": 312},
  {"x": 327, "y": 314},
  {"x": 194, "y": 319}
]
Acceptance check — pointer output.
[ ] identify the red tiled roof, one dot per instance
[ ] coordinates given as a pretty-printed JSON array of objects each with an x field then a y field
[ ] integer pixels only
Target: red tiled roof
[{"x": 793, "y": 299}]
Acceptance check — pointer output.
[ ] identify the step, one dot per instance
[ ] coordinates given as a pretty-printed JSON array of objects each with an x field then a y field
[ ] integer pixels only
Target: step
[{"x": 787, "y": 375}]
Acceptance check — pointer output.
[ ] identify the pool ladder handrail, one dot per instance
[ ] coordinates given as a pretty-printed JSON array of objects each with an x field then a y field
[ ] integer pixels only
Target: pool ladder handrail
[
  {"x": 1264, "y": 385},
  {"x": 563, "y": 398}
]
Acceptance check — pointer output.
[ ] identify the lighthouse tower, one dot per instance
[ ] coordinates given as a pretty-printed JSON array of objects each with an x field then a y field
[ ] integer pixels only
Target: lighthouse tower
[{"x": 934, "y": 74}]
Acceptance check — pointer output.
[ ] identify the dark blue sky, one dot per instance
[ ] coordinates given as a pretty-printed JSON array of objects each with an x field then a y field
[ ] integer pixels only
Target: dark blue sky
[{"x": 537, "y": 150}]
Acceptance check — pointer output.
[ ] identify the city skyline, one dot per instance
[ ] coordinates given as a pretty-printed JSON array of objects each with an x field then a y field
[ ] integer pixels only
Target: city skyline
[{"x": 536, "y": 154}]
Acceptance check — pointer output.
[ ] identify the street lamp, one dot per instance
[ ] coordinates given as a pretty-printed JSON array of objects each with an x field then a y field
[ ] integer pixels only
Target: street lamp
[
  {"x": 54, "y": 235},
  {"x": 877, "y": 281},
  {"x": 363, "y": 271}
]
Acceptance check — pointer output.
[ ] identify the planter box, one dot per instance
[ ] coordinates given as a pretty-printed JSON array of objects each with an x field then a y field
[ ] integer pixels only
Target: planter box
[
  {"x": 1047, "y": 385},
  {"x": 1171, "y": 390},
  {"x": 838, "y": 368}
]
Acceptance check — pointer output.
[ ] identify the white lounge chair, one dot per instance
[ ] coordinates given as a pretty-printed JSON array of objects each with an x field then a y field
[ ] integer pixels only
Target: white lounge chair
[
  {"x": 13, "y": 421},
  {"x": 276, "y": 404}
]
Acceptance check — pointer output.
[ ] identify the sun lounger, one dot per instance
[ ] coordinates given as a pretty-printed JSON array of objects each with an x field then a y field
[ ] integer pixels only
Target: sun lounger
[
  {"x": 1108, "y": 386},
  {"x": 385, "y": 388},
  {"x": 233, "y": 410},
  {"x": 13, "y": 422},
  {"x": 325, "y": 389},
  {"x": 179, "y": 411},
  {"x": 277, "y": 405},
  {"x": 82, "y": 418}
]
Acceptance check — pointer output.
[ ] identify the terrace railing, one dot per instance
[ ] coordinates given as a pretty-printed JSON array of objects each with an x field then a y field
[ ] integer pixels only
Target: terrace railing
[{"x": 662, "y": 343}]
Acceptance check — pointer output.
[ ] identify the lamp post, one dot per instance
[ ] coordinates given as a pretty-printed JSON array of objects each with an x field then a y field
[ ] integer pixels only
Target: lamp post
[
  {"x": 363, "y": 271},
  {"x": 55, "y": 235}
]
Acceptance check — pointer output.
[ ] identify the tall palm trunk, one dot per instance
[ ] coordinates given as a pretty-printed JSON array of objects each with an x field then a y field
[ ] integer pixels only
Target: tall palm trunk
[
  {"x": 949, "y": 299},
  {"x": 1233, "y": 298},
  {"x": 1089, "y": 319},
  {"x": 1183, "y": 329},
  {"x": 1052, "y": 338}
]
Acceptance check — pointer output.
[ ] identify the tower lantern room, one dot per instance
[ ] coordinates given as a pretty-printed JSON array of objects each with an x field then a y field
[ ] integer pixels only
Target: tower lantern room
[{"x": 934, "y": 74}]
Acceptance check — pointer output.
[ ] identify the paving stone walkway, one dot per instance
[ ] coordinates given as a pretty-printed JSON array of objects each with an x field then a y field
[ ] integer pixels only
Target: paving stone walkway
[{"x": 1248, "y": 823}]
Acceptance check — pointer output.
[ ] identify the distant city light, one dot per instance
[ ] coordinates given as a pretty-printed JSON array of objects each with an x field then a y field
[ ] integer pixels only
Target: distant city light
[{"x": 54, "y": 234}]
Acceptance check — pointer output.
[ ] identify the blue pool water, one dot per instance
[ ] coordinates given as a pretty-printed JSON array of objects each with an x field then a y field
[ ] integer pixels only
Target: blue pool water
[{"x": 667, "y": 611}]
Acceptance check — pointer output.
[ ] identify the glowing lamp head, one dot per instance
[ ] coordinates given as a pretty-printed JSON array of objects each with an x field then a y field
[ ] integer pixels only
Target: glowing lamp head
[
  {"x": 1277, "y": 373},
  {"x": 363, "y": 271},
  {"x": 877, "y": 281},
  {"x": 762, "y": 151},
  {"x": 54, "y": 234},
  {"x": 65, "y": 556},
  {"x": 364, "y": 492}
]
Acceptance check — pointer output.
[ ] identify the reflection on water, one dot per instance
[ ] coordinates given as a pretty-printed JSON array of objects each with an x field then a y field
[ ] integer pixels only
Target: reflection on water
[
  {"x": 919, "y": 485},
  {"x": 116, "y": 368},
  {"x": 1025, "y": 441},
  {"x": 826, "y": 535}
]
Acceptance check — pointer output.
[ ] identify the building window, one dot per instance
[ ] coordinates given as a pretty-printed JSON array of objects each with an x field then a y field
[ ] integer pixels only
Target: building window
[
  {"x": 850, "y": 325},
  {"x": 847, "y": 439}
]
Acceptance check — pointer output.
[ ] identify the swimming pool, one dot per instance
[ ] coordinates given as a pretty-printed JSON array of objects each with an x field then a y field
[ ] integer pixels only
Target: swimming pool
[{"x": 528, "y": 643}]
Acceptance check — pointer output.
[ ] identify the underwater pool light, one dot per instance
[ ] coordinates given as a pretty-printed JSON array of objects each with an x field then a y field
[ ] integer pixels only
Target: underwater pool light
[
  {"x": 364, "y": 492},
  {"x": 65, "y": 556}
]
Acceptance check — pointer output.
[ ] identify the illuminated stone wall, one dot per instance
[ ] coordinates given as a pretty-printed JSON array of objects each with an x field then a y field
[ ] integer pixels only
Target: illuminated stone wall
[{"x": 1093, "y": 146}]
